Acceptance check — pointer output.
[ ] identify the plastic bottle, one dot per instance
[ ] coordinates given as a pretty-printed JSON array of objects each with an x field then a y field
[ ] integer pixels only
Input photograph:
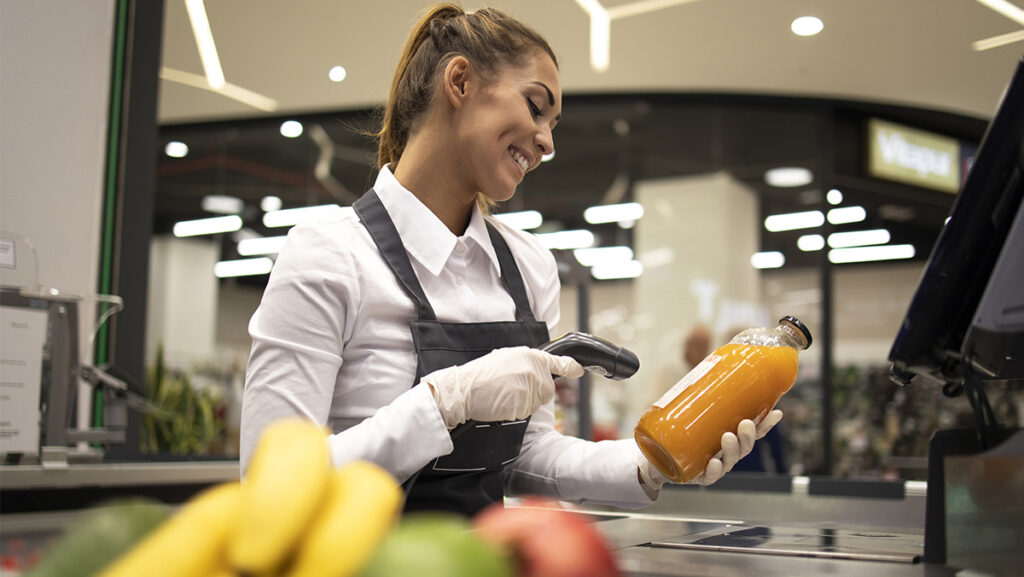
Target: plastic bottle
[{"x": 680, "y": 432}]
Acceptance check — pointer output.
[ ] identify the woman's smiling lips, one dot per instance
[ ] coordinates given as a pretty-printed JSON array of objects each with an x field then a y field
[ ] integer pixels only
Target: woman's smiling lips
[{"x": 520, "y": 158}]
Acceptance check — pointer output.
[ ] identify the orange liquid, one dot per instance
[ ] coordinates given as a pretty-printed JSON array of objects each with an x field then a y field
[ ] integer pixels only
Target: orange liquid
[{"x": 744, "y": 382}]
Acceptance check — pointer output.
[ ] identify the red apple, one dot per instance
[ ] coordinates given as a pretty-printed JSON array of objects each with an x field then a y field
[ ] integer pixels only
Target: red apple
[{"x": 547, "y": 541}]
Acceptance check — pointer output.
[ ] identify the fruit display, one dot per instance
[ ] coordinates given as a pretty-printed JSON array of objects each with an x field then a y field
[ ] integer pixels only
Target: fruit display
[
  {"x": 101, "y": 535},
  {"x": 298, "y": 516},
  {"x": 547, "y": 541}
]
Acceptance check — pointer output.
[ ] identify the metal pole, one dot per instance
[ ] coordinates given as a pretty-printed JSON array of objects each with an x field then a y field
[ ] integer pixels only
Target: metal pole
[{"x": 583, "y": 405}]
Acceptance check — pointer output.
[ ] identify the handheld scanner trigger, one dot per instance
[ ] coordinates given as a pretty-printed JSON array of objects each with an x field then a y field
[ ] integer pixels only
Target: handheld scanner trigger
[{"x": 595, "y": 354}]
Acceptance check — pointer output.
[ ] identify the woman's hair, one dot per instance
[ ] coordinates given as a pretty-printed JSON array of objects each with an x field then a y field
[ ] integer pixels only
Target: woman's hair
[{"x": 488, "y": 38}]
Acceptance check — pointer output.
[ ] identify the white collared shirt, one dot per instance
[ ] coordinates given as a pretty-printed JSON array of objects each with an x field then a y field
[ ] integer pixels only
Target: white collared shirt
[{"x": 331, "y": 342}]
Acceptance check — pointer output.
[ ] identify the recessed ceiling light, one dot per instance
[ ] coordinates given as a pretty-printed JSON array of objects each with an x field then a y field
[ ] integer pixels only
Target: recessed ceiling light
[
  {"x": 523, "y": 220},
  {"x": 213, "y": 225},
  {"x": 613, "y": 212},
  {"x": 834, "y": 196},
  {"x": 270, "y": 203},
  {"x": 291, "y": 128},
  {"x": 871, "y": 253},
  {"x": 222, "y": 204},
  {"x": 767, "y": 259},
  {"x": 858, "y": 238},
  {"x": 810, "y": 242},
  {"x": 616, "y": 270},
  {"x": 847, "y": 214},
  {"x": 794, "y": 221},
  {"x": 337, "y": 74},
  {"x": 176, "y": 149},
  {"x": 788, "y": 176},
  {"x": 807, "y": 26},
  {"x": 243, "y": 267}
]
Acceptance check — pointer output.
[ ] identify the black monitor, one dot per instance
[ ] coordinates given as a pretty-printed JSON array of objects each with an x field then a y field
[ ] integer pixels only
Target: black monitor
[{"x": 967, "y": 316}]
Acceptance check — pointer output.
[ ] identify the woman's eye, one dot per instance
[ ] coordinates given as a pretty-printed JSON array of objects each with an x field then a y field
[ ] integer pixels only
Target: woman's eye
[{"x": 534, "y": 109}]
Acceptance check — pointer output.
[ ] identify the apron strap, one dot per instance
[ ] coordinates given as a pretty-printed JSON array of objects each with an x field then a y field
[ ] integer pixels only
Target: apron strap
[
  {"x": 382, "y": 230},
  {"x": 510, "y": 273}
]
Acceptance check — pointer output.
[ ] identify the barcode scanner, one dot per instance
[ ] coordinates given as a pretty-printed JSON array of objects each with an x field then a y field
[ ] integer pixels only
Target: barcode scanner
[{"x": 595, "y": 354}]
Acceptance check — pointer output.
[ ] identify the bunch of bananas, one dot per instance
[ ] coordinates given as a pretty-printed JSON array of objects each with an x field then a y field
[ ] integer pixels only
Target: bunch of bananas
[{"x": 295, "y": 516}]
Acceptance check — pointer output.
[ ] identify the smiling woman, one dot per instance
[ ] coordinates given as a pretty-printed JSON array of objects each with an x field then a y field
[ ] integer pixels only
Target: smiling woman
[{"x": 409, "y": 325}]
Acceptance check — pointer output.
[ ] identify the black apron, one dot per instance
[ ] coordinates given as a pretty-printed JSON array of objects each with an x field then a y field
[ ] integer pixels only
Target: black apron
[{"x": 469, "y": 478}]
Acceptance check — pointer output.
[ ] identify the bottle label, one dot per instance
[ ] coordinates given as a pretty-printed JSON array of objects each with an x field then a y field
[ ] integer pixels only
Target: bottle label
[{"x": 691, "y": 377}]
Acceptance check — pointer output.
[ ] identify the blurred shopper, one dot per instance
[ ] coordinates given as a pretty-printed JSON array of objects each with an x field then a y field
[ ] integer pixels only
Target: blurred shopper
[
  {"x": 696, "y": 346},
  {"x": 399, "y": 323}
]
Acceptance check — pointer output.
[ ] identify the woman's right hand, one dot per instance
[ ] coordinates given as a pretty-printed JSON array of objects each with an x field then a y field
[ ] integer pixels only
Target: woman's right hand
[{"x": 506, "y": 384}]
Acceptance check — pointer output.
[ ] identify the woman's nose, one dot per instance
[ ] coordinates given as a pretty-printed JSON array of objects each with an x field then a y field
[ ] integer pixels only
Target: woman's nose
[{"x": 545, "y": 141}]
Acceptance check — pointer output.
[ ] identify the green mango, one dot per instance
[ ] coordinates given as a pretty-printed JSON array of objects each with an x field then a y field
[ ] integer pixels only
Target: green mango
[{"x": 99, "y": 536}]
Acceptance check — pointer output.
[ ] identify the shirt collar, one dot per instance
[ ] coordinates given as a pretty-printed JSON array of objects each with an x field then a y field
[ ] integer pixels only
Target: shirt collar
[{"x": 425, "y": 237}]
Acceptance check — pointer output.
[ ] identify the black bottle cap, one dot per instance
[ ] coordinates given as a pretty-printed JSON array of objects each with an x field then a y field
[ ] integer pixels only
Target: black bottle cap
[{"x": 798, "y": 324}]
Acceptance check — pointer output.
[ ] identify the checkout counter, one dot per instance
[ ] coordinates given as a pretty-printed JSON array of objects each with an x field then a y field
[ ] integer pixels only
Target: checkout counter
[{"x": 746, "y": 524}]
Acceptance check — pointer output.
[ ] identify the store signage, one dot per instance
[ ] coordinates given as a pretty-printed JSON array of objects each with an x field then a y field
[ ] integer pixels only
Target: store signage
[{"x": 912, "y": 156}]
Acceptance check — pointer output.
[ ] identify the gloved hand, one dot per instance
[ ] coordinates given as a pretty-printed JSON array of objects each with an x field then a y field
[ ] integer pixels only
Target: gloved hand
[
  {"x": 504, "y": 385},
  {"x": 735, "y": 446}
]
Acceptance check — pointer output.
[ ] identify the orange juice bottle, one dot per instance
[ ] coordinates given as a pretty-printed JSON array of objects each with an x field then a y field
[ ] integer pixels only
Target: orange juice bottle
[{"x": 680, "y": 432}]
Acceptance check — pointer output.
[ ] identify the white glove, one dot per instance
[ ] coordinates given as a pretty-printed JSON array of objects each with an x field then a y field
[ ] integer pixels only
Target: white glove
[
  {"x": 504, "y": 385},
  {"x": 735, "y": 446}
]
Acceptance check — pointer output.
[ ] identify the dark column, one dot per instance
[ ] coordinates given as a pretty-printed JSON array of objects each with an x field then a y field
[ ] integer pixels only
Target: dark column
[
  {"x": 827, "y": 178},
  {"x": 130, "y": 193}
]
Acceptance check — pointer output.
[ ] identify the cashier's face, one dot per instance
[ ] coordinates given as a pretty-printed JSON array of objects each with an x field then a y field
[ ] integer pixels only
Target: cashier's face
[{"x": 505, "y": 125}]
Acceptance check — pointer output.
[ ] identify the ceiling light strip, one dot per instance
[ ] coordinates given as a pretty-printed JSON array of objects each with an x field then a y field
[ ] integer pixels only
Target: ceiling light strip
[
  {"x": 767, "y": 259},
  {"x": 871, "y": 253},
  {"x": 794, "y": 221},
  {"x": 847, "y": 214},
  {"x": 617, "y": 270},
  {"x": 1006, "y": 9},
  {"x": 243, "y": 267},
  {"x": 997, "y": 41},
  {"x": 261, "y": 246},
  {"x": 628, "y": 211},
  {"x": 567, "y": 239},
  {"x": 213, "y": 225},
  {"x": 603, "y": 255},
  {"x": 523, "y": 220},
  {"x": 858, "y": 238},
  {"x": 232, "y": 91},
  {"x": 810, "y": 242},
  {"x": 293, "y": 216},
  {"x": 204, "y": 41}
]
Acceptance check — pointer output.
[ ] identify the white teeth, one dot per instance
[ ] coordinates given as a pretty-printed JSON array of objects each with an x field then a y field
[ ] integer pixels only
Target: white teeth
[{"x": 523, "y": 163}]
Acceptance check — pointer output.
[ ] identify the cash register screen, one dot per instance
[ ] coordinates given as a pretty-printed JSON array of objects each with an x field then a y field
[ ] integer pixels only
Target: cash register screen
[{"x": 967, "y": 255}]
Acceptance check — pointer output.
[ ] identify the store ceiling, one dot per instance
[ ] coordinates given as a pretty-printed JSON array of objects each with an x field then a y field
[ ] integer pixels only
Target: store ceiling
[{"x": 914, "y": 53}]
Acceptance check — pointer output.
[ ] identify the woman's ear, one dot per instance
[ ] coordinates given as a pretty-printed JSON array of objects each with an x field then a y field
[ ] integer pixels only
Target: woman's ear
[{"x": 457, "y": 76}]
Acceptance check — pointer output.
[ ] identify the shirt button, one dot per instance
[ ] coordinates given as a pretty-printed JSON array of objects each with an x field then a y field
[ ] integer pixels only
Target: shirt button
[
  {"x": 460, "y": 248},
  {"x": 460, "y": 280}
]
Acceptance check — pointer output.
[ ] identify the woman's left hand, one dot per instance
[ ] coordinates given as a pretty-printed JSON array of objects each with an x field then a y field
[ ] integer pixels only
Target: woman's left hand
[{"x": 735, "y": 446}]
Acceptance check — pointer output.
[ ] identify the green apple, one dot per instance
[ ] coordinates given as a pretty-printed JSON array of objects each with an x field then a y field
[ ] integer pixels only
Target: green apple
[{"x": 436, "y": 545}]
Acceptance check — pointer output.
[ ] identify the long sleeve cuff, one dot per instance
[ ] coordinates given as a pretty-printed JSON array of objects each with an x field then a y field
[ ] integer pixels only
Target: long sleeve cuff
[{"x": 402, "y": 436}]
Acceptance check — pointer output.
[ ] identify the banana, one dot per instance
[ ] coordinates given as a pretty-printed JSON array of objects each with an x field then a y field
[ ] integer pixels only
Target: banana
[
  {"x": 190, "y": 543},
  {"x": 363, "y": 502},
  {"x": 286, "y": 484}
]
